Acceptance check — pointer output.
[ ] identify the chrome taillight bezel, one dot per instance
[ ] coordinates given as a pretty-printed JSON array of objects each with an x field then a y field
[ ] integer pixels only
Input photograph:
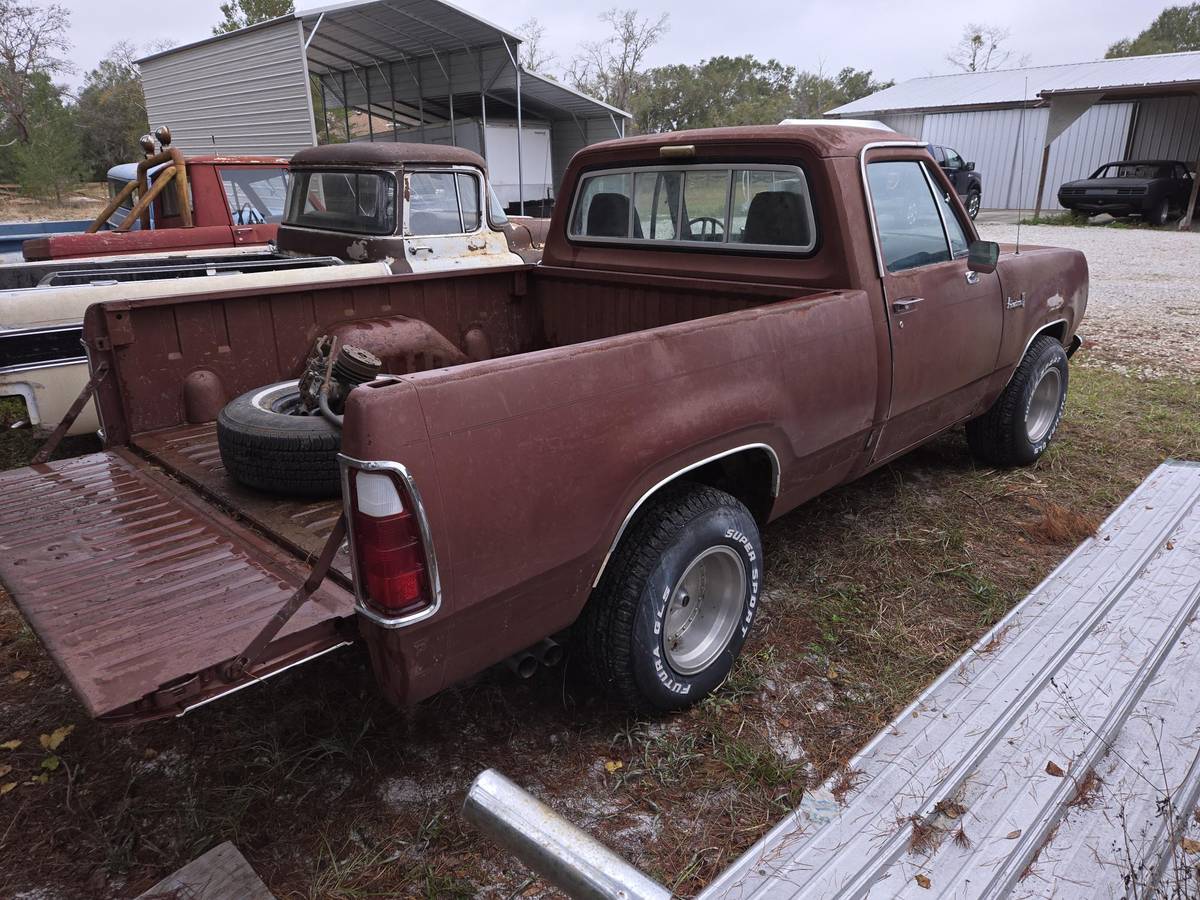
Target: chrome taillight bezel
[{"x": 410, "y": 493}]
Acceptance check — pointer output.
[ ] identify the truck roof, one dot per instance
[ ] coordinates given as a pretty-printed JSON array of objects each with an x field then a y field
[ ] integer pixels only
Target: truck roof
[
  {"x": 834, "y": 139},
  {"x": 386, "y": 153}
]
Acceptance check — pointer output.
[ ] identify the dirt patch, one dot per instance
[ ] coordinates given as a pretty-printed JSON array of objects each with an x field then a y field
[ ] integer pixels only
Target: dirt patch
[
  {"x": 329, "y": 792},
  {"x": 85, "y": 202}
]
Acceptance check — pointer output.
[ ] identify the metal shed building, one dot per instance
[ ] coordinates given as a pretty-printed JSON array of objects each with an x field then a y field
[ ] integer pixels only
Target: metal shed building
[
  {"x": 1040, "y": 126},
  {"x": 413, "y": 70}
]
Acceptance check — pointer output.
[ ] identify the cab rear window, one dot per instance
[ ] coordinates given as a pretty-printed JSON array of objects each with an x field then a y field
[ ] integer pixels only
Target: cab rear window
[
  {"x": 764, "y": 208},
  {"x": 356, "y": 202}
]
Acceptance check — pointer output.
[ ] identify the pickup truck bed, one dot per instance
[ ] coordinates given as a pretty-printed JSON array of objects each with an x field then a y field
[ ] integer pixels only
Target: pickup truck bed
[{"x": 159, "y": 510}]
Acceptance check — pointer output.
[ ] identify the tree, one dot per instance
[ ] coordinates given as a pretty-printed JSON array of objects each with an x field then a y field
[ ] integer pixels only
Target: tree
[
  {"x": 533, "y": 54},
  {"x": 609, "y": 69},
  {"x": 111, "y": 111},
  {"x": 240, "y": 13},
  {"x": 981, "y": 49},
  {"x": 31, "y": 39},
  {"x": 740, "y": 91},
  {"x": 49, "y": 161},
  {"x": 1176, "y": 29}
]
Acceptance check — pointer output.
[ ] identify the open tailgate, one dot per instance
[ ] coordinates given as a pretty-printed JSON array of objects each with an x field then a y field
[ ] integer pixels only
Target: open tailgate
[{"x": 140, "y": 590}]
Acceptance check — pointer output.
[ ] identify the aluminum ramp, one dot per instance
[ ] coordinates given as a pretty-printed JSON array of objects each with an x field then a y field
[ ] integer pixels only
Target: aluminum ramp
[{"x": 1065, "y": 745}]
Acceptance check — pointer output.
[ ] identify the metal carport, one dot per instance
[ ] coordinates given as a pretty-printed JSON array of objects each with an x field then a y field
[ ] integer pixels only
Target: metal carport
[
  {"x": 1157, "y": 78},
  {"x": 423, "y": 66}
]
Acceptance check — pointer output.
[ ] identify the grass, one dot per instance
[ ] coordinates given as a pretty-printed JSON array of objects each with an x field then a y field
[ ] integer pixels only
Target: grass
[{"x": 872, "y": 590}]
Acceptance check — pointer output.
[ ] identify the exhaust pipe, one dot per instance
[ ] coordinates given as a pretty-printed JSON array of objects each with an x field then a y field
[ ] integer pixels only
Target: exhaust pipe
[
  {"x": 549, "y": 652},
  {"x": 567, "y": 857},
  {"x": 523, "y": 664}
]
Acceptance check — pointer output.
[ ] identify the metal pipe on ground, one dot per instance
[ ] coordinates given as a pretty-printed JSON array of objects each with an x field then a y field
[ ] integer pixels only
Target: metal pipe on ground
[{"x": 567, "y": 857}]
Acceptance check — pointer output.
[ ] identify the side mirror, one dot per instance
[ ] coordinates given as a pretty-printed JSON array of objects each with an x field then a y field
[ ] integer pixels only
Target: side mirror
[
  {"x": 982, "y": 256},
  {"x": 970, "y": 167}
]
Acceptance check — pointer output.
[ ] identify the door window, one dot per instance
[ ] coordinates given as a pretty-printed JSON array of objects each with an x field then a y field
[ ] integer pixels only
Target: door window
[
  {"x": 954, "y": 229},
  {"x": 906, "y": 215},
  {"x": 255, "y": 196},
  {"x": 953, "y": 160}
]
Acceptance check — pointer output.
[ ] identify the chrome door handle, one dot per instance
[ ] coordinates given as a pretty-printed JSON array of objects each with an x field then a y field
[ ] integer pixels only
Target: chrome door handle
[
  {"x": 903, "y": 306},
  {"x": 972, "y": 277}
]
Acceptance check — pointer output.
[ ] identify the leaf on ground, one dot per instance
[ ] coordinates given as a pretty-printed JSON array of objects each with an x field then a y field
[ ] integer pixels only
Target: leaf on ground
[
  {"x": 4, "y": 770},
  {"x": 56, "y": 737},
  {"x": 10, "y": 745},
  {"x": 1189, "y": 845},
  {"x": 612, "y": 765},
  {"x": 21, "y": 674},
  {"x": 1013, "y": 835},
  {"x": 923, "y": 881},
  {"x": 44, "y": 778},
  {"x": 5, "y": 788},
  {"x": 50, "y": 763},
  {"x": 1053, "y": 769}
]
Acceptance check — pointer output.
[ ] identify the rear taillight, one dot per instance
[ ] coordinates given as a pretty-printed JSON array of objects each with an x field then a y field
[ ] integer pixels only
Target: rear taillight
[{"x": 391, "y": 561}]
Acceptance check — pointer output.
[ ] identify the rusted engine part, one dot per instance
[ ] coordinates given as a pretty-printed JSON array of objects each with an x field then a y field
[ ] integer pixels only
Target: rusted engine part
[{"x": 356, "y": 352}]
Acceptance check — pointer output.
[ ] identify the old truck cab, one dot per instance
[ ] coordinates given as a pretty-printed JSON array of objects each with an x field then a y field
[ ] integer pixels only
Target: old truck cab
[{"x": 421, "y": 207}]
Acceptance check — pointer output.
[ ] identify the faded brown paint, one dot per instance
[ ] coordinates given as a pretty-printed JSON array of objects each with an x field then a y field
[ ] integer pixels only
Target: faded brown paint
[{"x": 609, "y": 372}]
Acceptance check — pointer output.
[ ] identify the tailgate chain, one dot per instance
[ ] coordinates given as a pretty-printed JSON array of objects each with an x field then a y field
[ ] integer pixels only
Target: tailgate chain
[
  {"x": 52, "y": 442},
  {"x": 236, "y": 667}
]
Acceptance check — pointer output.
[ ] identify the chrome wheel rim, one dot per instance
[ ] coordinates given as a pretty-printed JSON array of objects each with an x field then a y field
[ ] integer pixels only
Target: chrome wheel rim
[
  {"x": 1043, "y": 405},
  {"x": 704, "y": 610},
  {"x": 973, "y": 205}
]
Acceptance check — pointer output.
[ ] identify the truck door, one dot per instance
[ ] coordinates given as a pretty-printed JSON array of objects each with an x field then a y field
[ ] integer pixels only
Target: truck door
[{"x": 946, "y": 322}]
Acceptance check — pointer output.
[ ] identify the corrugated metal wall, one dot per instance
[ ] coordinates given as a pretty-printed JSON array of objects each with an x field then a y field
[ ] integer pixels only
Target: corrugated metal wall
[
  {"x": 1167, "y": 128},
  {"x": 569, "y": 137},
  {"x": 907, "y": 124},
  {"x": 244, "y": 94},
  {"x": 1006, "y": 148}
]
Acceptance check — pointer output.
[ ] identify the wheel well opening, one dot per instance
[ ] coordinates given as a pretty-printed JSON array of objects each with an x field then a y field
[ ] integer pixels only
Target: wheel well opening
[
  {"x": 1058, "y": 331},
  {"x": 749, "y": 476}
]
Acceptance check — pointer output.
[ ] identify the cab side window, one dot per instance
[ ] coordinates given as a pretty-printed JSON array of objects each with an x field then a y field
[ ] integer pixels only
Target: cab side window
[{"x": 906, "y": 215}]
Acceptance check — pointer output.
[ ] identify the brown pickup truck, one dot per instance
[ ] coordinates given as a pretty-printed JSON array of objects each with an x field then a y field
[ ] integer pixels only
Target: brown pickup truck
[{"x": 725, "y": 324}]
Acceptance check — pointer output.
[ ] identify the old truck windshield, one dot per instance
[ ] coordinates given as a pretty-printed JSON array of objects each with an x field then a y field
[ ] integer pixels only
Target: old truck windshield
[
  {"x": 731, "y": 207},
  {"x": 357, "y": 202},
  {"x": 256, "y": 196}
]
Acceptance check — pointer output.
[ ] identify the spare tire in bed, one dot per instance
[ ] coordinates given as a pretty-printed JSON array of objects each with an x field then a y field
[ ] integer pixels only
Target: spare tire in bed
[{"x": 265, "y": 446}]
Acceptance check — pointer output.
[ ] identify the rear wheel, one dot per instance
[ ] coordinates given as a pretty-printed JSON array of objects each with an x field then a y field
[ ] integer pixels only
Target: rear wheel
[
  {"x": 677, "y": 600},
  {"x": 267, "y": 443},
  {"x": 973, "y": 201},
  {"x": 1021, "y": 423}
]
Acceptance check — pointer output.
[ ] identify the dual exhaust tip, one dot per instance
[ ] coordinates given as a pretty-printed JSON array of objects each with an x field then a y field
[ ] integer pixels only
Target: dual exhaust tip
[{"x": 546, "y": 653}]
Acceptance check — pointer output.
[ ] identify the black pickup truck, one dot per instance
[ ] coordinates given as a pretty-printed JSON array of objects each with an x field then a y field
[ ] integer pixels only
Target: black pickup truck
[{"x": 967, "y": 182}]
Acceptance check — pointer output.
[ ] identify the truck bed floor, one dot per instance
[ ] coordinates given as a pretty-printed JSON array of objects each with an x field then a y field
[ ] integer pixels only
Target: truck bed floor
[
  {"x": 190, "y": 451},
  {"x": 1065, "y": 746}
]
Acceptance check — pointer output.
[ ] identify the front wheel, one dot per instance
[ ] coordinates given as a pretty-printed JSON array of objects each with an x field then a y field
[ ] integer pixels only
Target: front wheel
[
  {"x": 678, "y": 598},
  {"x": 1020, "y": 424},
  {"x": 1160, "y": 213}
]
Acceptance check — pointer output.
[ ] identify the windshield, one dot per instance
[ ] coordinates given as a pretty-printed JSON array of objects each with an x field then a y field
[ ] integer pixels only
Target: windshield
[
  {"x": 357, "y": 202},
  {"x": 1134, "y": 170},
  {"x": 256, "y": 196}
]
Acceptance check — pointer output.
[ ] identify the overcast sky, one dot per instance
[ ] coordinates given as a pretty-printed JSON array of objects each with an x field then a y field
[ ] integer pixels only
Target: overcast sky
[{"x": 895, "y": 39}]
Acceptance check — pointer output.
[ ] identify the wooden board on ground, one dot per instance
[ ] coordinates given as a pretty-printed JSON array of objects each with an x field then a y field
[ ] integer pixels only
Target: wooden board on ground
[{"x": 219, "y": 874}]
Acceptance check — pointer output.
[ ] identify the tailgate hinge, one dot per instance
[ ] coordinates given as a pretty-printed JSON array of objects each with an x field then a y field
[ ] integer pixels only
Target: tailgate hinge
[{"x": 237, "y": 667}]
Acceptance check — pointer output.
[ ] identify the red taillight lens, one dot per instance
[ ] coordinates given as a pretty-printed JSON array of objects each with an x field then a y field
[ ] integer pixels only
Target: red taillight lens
[{"x": 387, "y": 542}]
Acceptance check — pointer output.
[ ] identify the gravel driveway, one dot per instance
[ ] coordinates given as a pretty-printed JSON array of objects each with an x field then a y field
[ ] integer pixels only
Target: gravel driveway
[{"x": 1143, "y": 312}]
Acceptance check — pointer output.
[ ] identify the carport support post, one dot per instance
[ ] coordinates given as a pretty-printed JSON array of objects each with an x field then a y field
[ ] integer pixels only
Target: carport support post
[
  {"x": 1041, "y": 186},
  {"x": 1185, "y": 222}
]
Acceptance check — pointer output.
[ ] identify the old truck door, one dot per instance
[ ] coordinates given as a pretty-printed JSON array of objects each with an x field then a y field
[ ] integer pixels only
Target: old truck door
[{"x": 946, "y": 322}]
